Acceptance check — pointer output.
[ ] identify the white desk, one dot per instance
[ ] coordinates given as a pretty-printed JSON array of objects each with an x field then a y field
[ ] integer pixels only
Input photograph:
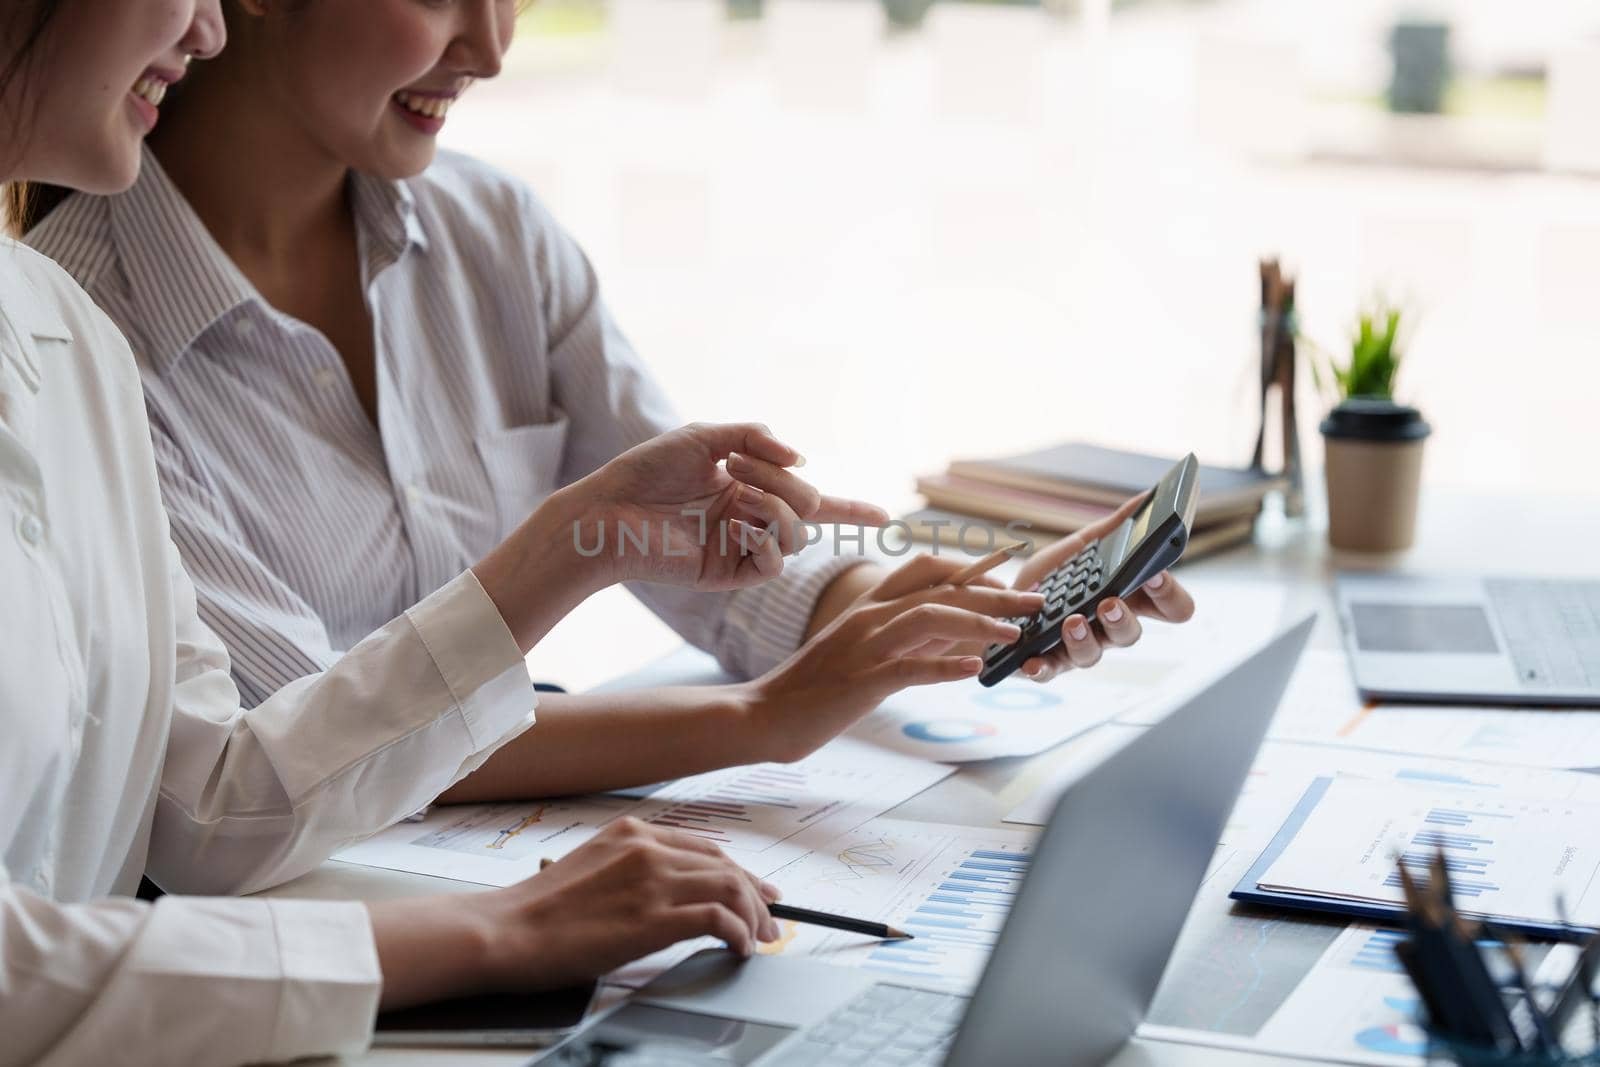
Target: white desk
[{"x": 1458, "y": 532}]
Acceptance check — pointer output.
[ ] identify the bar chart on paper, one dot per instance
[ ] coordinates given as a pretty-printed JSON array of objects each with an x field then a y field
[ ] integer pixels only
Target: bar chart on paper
[
  {"x": 726, "y": 811},
  {"x": 1507, "y": 856},
  {"x": 949, "y": 886}
]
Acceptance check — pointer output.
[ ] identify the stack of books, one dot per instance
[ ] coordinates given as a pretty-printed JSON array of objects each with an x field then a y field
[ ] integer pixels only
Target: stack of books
[{"x": 1062, "y": 489}]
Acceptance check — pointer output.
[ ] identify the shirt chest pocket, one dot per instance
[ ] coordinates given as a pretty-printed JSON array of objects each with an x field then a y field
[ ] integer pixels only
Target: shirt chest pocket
[{"x": 523, "y": 466}]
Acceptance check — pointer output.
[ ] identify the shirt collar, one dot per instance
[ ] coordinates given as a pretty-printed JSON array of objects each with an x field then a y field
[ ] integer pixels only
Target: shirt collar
[
  {"x": 386, "y": 214},
  {"x": 20, "y": 302},
  {"x": 29, "y": 317},
  {"x": 181, "y": 280}
]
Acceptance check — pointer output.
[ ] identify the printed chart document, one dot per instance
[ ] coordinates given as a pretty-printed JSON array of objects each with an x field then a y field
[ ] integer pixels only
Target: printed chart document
[
  {"x": 963, "y": 721},
  {"x": 1508, "y": 856},
  {"x": 950, "y": 886},
  {"x": 763, "y": 816},
  {"x": 1289, "y": 983}
]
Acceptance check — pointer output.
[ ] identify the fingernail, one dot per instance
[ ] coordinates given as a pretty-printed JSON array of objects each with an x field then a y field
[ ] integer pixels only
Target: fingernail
[
  {"x": 770, "y": 931},
  {"x": 1008, "y": 631},
  {"x": 749, "y": 494},
  {"x": 1113, "y": 612},
  {"x": 1078, "y": 628},
  {"x": 1035, "y": 671},
  {"x": 1034, "y": 601},
  {"x": 799, "y": 460},
  {"x": 771, "y": 892},
  {"x": 972, "y": 664},
  {"x": 1156, "y": 583},
  {"x": 737, "y": 460}
]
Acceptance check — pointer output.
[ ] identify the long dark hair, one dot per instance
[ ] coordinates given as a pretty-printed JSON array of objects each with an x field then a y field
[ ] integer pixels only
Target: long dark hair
[{"x": 25, "y": 203}]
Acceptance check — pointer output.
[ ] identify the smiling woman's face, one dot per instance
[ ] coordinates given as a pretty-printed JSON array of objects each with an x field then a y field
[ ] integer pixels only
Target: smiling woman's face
[
  {"x": 370, "y": 81},
  {"x": 82, "y": 102}
]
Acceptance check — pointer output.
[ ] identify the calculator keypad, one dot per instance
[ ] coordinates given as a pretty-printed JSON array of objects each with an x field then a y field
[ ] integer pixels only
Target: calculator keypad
[{"x": 1065, "y": 589}]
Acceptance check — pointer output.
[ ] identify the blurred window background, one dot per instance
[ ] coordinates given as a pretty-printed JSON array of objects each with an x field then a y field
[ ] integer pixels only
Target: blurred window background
[{"x": 904, "y": 232}]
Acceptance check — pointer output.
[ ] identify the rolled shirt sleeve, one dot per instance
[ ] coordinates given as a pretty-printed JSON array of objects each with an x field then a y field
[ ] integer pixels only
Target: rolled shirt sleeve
[
  {"x": 253, "y": 798},
  {"x": 117, "y": 981}
]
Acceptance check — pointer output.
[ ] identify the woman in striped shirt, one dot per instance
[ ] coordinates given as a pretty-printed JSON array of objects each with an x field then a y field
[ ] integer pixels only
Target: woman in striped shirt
[{"x": 365, "y": 361}]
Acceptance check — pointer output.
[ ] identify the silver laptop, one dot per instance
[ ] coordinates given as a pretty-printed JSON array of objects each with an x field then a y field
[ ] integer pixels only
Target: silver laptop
[
  {"x": 1076, "y": 963},
  {"x": 1473, "y": 640}
]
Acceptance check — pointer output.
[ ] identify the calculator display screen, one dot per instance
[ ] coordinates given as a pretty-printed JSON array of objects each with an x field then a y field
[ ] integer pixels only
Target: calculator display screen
[{"x": 1141, "y": 520}]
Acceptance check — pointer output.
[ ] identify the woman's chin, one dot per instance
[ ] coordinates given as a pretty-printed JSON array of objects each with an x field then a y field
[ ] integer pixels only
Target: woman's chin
[{"x": 109, "y": 166}]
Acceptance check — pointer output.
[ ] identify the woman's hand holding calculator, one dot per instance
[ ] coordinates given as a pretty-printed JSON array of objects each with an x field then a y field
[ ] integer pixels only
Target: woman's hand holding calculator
[
  {"x": 912, "y": 628},
  {"x": 1162, "y": 597}
]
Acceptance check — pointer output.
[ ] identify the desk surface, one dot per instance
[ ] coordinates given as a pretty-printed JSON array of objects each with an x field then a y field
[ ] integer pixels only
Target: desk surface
[{"x": 1457, "y": 532}]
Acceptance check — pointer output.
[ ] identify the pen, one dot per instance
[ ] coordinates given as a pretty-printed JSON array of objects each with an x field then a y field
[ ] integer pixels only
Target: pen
[
  {"x": 820, "y": 918},
  {"x": 983, "y": 566}
]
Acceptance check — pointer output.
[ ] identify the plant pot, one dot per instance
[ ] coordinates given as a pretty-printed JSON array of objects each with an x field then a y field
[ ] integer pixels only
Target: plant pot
[
  {"x": 1374, "y": 474},
  {"x": 906, "y": 14}
]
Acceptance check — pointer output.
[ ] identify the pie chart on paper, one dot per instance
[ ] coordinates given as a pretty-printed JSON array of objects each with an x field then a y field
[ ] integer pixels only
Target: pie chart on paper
[{"x": 948, "y": 730}]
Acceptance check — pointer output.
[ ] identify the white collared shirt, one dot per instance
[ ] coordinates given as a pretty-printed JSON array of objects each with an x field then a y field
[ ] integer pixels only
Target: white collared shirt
[
  {"x": 501, "y": 377},
  {"x": 123, "y": 745}
]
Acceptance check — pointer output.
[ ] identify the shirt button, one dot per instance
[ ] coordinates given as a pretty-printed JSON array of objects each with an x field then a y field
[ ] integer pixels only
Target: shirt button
[
  {"x": 413, "y": 493},
  {"x": 326, "y": 377},
  {"x": 31, "y": 529}
]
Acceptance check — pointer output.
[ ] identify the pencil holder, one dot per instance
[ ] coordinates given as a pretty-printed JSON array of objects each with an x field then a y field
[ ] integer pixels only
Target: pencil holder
[{"x": 1444, "y": 1051}]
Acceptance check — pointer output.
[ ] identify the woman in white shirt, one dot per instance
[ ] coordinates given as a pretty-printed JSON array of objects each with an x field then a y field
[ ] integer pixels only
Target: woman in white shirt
[
  {"x": 364, "y": 364},
  {"x": 122, "y": 741}
]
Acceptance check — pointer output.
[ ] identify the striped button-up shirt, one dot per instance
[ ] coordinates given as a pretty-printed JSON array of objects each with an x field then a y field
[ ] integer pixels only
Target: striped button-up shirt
[{"x": 501, "y": 377}]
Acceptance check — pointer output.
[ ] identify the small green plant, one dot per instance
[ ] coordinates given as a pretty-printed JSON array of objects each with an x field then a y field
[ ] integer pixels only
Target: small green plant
[{"x": 1374, "y": 358}]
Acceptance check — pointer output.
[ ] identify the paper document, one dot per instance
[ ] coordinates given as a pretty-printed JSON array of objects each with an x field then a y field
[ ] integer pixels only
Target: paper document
[
  {"x": 763, "y": 816},
  {"x": 1138, "y": 684},
  {"x": 1507, "y": 856},
  {"x": 1284, "y": 770},
  {"x": 1288, "y": 984},
  {"x": 958, "y": 722},
  {"x": 1351, "y": 1004},
  {"x": 1074, "y": 759},
  {"x": 1323, "y": 707},
  {"x": 951, "y": 886}
]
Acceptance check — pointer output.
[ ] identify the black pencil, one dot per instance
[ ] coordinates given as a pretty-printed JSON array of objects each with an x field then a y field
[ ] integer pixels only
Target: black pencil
[
  {"x": 820, "y": 918},
  {"x": 837, "y": 922}
]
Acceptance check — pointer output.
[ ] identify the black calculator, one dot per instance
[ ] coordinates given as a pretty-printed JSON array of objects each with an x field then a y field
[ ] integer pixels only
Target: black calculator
[{"x": 1148, "y": 542}]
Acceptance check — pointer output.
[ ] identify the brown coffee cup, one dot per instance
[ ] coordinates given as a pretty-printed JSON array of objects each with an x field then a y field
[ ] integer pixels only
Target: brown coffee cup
[{"x": 1374, "y": 474}]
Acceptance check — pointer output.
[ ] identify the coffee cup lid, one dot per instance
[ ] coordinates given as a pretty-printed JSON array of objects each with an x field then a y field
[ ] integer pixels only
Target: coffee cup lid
[{"x": 1374, "y": 419}]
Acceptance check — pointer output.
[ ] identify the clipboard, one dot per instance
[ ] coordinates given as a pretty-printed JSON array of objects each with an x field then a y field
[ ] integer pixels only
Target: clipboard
[{"x": 1249, "y": 889}]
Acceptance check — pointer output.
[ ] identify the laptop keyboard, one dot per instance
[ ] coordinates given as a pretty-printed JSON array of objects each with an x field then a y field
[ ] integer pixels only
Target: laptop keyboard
[
  {"x": 888, "y": 1024},
  {"x": 1552, "y": 631}
]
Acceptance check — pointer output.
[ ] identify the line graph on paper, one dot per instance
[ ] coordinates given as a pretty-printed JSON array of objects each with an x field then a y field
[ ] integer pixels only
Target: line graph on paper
[
  {"x": 857, "y": 865},
  {"x": 496, "y": 831}
]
